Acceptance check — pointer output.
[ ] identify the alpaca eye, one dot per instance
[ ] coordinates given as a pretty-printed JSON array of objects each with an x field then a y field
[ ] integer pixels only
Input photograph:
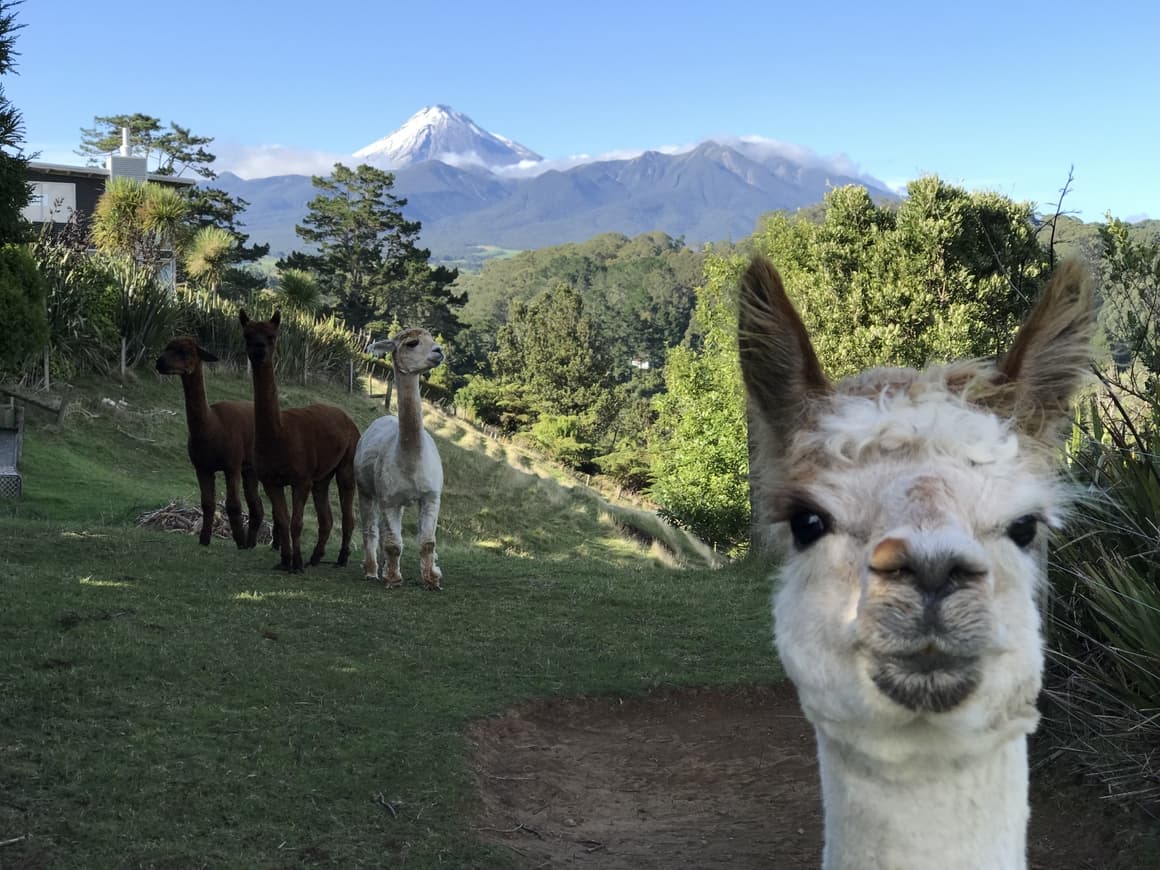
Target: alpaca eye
[
  {"x": 806, "y": 527},
  {"x": 414, "y": 342},
  {"x": 1023, "y": 530}
]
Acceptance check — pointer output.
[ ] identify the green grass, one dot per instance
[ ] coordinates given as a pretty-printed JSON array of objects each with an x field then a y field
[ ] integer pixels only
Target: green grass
[{"x": 168, "y": 705}]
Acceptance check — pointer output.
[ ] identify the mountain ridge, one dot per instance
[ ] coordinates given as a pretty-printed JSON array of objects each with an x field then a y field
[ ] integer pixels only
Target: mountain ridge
[{"x": 471, "y": 189}]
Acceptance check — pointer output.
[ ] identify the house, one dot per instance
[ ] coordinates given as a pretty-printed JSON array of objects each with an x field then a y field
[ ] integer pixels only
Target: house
[{"x": 60, "y": 191}]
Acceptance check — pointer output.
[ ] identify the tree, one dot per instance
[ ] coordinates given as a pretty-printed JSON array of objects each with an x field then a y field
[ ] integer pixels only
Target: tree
[
  {"x": 209, "y": 254},
  {"x": 173, "y": 152},
  {"x": 552, "y": 349},
  {"x": 14, "y": 192},
  {"x": 22, "y": 293},
  {"x": 699, "y": 449},
  {"x": 368, "y": 257},
  {"x": 137, "y": 226},
  {"x": 946, "y": 274},
  {"x": 552, "y": 353},
  {"x": 140, "y": 219},
  {"x": 299, "y": 289}
]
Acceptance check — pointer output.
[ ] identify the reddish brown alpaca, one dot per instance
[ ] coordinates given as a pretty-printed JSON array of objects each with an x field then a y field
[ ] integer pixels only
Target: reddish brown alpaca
[
  {"x": 302, "y": 448},
  {"x": 221, "y": 438}
]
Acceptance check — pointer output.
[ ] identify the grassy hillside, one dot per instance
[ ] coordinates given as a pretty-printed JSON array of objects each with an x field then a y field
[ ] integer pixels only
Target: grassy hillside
[{"x": 164, "y": 704}]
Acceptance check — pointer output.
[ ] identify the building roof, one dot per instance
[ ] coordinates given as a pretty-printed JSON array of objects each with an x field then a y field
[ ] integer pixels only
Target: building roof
[{"x": 101, "y": 172}]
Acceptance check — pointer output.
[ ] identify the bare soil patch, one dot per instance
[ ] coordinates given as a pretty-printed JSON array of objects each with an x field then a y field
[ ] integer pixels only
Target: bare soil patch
[{"x": 706, "y": 778}]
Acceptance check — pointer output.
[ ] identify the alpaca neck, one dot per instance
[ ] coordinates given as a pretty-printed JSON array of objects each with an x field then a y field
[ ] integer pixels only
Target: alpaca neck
[
  {"x": 410, "y": 414},
  {"x": 196, "y": 405},
  {"x": 957, "y": 814},
  {"x": 267, "y": 416}
]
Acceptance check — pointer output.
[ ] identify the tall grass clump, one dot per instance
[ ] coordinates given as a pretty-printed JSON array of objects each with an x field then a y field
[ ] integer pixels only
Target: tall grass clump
[
  {"x": 106, "y": 310},
  {"x": 81, "y": 307},
  {"x": 309, "y": 346},
  {"x": 1104, "y": 675}
]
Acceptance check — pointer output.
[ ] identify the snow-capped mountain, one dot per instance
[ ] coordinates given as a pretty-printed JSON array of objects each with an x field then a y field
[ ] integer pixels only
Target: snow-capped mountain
[
  {"x": 441, "y": 133},
  {"x": 442, "y": 162}
]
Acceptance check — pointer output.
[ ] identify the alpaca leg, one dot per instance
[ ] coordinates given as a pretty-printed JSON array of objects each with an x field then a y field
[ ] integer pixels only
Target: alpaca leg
[
  {"x": 369, "y": 514},
  {"x": 277, "y": 496},
  {"x": 205, "y": 482},
  {"x": 346, "y": 489},
  {"x": 428, "y": 520},
  {"x": 254, "y": 506},
  {"x": 234, "y": 507},
  {"x": 322, "y": 510},
  {"x": 393, "y": 546},
  {"x": 301, "y": 492}
]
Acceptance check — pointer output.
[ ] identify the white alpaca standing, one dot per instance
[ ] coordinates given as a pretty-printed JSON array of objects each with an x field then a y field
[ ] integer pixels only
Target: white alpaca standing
[
  {"x": 397, "y": 464},
  {"x": 912, "y": 508}
]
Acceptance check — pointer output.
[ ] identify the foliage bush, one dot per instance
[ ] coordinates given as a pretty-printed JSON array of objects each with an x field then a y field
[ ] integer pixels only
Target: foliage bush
[
  {"x": 494, "y": 403},
  {"x": 81, "y": 307},
  {"x": 148, "y": 313},
  {"x": 94, "y": 301},
  {"x": 946, "y": 274},
  {"x": 699, "y": 450},
  {"x": 22, "y": 300},
  {"x": 1104, "y": 678},
  {"x": 564, "y": 438}
]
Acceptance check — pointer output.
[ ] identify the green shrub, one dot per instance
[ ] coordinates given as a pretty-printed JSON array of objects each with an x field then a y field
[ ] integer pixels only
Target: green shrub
[
  {"x": 22, "y": 294},
  {"x": 565, "y": 438},
  {"x": 81, "y": 306},
  {"x": 147, "y": 314},
  {"x": 1104, "y": 676}
]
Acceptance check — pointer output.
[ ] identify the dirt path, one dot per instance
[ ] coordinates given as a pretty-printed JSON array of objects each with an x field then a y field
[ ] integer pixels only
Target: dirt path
[{"x": 705, "y": 778}]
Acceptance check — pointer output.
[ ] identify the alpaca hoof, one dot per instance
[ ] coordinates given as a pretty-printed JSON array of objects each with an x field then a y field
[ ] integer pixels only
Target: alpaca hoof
[
  {"x": 433, "y": 587},
  {"x": 393, "y": 584},
  {"x": 343, "y": 558}
]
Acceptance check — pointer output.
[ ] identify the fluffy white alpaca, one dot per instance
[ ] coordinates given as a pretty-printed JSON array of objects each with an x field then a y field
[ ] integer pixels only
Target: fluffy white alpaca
[
  {"x": 912, "y": 509},
  {"x": 397, "y": 464}
]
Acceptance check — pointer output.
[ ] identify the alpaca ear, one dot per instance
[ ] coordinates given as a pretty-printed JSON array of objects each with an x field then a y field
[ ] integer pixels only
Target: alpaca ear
[
  {"x": 778, "y": 363},
  {"x": 1051, "y": 355},
  {"x": 243, "y": 318},
  {"x": 205, "y": 355},
  {"x": 277, "y": 318},
  {"x": 382, "y": 347}
]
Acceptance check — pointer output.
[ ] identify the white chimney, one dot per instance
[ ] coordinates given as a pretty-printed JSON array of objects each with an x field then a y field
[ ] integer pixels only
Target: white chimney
[{"x": 124, "y": 163}]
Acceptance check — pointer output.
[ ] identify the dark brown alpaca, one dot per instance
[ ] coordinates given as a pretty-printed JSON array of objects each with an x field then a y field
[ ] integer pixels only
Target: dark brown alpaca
[
  {"x": 302, "y": 448},
  {"x": 221, "y": 438}
]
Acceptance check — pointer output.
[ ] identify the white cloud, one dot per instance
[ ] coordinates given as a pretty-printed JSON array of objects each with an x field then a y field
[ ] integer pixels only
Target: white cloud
[
  {"x": 262, "y": 161},
  {"x": 839, "y": 164},
  {"x": 527, "y": 168},
  {"x": 266, "y": 160}
]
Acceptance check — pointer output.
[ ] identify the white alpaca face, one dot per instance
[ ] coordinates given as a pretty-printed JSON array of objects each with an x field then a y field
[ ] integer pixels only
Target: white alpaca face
[
  {"x": 413, "y": 351},
  {"x": 912, "y": 508},
  {"x": 913, "y": 533}
]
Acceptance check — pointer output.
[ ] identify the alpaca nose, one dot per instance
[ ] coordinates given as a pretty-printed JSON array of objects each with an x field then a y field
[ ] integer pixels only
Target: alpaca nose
[{"x": 935, "y": 571}]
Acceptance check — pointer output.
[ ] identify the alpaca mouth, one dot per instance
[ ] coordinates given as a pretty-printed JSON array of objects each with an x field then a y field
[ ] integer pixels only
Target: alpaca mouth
[{"x": 929, "y": 681}]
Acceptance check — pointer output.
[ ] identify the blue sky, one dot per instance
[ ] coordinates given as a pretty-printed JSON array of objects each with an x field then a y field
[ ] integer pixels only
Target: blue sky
[{"x": 998, "y": 95}]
